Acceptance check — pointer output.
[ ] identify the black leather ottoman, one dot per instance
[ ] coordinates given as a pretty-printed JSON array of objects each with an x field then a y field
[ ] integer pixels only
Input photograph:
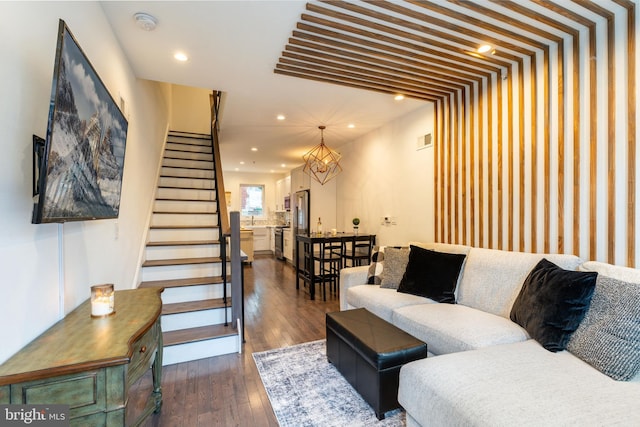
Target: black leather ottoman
[{"x": 369, "y": 352}]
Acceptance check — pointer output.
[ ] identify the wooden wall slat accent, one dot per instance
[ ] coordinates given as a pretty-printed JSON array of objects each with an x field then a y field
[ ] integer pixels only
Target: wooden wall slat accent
[
  {"x": 455, "y": 169},
  {"x": 463, "y": 165},
  {"x": 593, "y": 142},
  {"x": 486, "y": 144},
  {"x": 500, "y": 166},
  {"x": 561, "y": 146},
  {"x": 546, "y": 141},
  {"x": 481, "y": 104},
  {"x": 489, "y": 162},
  {"x": 521, "y": 171},
  {"x": 437, "y": 143},
  {"x": 472, "y": 164},
  {"x": 533, "y": 163},
  {"x": 631, "y": 134},
  {"x": 511, "y": 206}
]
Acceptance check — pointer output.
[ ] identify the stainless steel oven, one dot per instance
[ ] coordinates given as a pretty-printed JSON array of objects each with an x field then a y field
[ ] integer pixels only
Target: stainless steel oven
[{"x": 279, "y": 253}]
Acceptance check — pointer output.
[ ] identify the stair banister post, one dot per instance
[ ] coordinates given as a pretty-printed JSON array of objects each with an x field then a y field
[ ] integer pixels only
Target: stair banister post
[{"x": 237, "y": 273}]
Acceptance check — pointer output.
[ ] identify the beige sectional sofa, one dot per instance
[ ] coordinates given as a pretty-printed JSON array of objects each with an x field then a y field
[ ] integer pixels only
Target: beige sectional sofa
[{"x": 483, "y": 368}]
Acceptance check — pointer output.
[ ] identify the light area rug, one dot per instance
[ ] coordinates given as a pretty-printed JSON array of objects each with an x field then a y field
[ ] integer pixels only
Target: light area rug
[{"x": 305, "y": 389}]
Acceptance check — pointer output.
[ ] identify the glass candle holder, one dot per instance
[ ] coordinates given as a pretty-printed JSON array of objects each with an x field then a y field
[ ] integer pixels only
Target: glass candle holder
[{"x": 102, "y": 300}]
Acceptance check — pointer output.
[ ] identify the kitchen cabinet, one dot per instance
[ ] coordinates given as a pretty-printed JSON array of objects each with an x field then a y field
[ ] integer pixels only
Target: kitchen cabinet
[
  {"x": 300, "y": 180},
  {"x": 283, "y": 189},
  {"x": 261, "y": 239},
  {"x": 246, "y": 244}
]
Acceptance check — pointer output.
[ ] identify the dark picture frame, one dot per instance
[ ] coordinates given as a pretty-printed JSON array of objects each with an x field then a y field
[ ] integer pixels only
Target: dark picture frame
[{"x": 82, "y": 163}]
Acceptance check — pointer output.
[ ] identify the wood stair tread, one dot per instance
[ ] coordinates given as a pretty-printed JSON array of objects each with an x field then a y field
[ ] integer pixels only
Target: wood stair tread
[
  {"x": 181, "y": 227},
  {"x": 178, "y": 283},
  {"x": 180, "y": 261},
  {"x": 173, "y": 199},
  {"x": 191, "y": 306},
  {"x": 183, "y": 243},
  {"x": 178, "y": 187},
  {"x": 201, "y": 333},
  {"x": 187, "y": 167},
  {"x": 184, "y": 213},
  {"x": 186, "y": 177}
]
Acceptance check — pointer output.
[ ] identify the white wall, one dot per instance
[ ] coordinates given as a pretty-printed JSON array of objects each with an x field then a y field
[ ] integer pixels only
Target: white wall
[
  {"x": 385, "y": 175},
  {"x": 191, "y": 111},
  {"x": 47, "y": 269}
]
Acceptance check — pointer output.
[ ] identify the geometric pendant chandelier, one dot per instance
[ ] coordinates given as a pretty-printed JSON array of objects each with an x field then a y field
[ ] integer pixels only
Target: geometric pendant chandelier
[{"x": 322, "y": 163}]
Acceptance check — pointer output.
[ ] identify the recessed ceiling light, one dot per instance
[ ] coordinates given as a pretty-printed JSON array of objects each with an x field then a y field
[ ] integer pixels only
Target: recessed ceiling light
[
  {"x": 271, "y": 170},
  {"x": 484, "y": 48},
  {"x": 351, "y": 126},
  {"x": 242, "y": 163},
  {"x": 181, "y": 57},
  {"x": 254, "y": 149},
  {"x": 283, "y": 165},
  {"x": 399, "y": 97},
  {"x": 281, "y": 117},
  {"x": 237, "y": 169},
  {"x": 145, "y": 21}
]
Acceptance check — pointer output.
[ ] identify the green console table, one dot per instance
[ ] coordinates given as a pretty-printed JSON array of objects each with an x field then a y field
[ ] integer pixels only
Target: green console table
[{"x": 91, "y": 363}]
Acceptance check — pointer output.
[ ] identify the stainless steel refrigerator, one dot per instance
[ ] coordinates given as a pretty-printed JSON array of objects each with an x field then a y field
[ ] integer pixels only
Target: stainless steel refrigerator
[{"x": 301, "y": 212}]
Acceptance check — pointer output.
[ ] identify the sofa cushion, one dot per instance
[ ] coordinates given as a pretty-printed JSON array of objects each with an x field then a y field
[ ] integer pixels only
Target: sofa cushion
[
  {"x": 380, "y": 301},
  {"x": 432, "y": 274},
  {"x": 491, "y": 279},
  {"x": 515, "y": 384},
  {"x": 552, "y": 303},
  {"x": 449, "y": 328},
  {"x": 376, "y": 267},
  {"x": 395, "y": 264},
  {"x": 609, "y": 336}
]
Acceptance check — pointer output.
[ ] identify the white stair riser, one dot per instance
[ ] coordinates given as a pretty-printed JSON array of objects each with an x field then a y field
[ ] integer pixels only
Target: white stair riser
[
  {"x": 181, "y": 271},
  {"x": 188, "y": 147},
  {"x": 194, "y": 293},
  {"x": 207, "y": 184},
  {"x": 172, "y": 252},
  {"x": 186, "y": 155},
  {"x": 182, "y": 194},
  {"x": 182, "y": 206},
  {"x": 194, "y": 319},
  {"x": 188, "y": 164},
  {"x": 184, "y": 219},
  {"x": 164, "y": 235},
  {"x": 200, "y": 350},
  {"x": 187, "y": 173}
]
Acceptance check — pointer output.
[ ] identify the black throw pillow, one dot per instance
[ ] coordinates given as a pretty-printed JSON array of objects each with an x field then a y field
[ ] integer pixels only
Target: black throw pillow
[
  {"x": 552, "y": 303},
  {"x": 432, "y": 274}
]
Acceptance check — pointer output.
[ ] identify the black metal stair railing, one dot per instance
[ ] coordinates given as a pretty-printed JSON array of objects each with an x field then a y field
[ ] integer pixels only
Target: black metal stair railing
[{"x": 229, "y": 232}]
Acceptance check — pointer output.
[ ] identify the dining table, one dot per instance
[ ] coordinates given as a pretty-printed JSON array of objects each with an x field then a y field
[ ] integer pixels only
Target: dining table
[{"x": 306, "y": 244}]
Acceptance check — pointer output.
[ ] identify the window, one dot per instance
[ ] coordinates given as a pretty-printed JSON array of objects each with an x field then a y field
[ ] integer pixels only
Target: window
[{"x": 252, "y": 200}]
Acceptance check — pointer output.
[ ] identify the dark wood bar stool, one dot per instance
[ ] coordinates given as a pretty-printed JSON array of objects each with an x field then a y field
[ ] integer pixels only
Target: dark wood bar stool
[
  {"x": 328, "y": 255},
  {"x": 356, "y": 250}
]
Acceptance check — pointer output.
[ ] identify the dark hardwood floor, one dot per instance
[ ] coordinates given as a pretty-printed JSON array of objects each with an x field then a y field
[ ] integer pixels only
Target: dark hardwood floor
[{"x": 227, "y": 390}]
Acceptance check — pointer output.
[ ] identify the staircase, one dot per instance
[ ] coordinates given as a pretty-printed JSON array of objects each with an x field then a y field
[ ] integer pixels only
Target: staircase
[{"x": 183, "y": 254}]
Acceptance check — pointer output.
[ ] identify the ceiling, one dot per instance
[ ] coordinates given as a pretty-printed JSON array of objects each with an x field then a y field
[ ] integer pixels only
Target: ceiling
[
  {"x": 233, "y": 47},
  {"x": 336, "y": 63}
]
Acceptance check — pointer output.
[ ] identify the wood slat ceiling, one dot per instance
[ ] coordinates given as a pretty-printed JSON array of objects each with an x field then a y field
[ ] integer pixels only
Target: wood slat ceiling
[{"x": 428, "y": 49}]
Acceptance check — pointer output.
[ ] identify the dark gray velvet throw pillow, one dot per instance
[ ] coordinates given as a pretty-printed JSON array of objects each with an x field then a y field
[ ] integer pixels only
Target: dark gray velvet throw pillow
[
  {"x": 432, "y": 274},
  {"x": 552, "y": 303}
]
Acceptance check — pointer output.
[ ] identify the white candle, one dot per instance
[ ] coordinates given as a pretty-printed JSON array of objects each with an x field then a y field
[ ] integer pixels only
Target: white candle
[{"x": 101, "y": 306}]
